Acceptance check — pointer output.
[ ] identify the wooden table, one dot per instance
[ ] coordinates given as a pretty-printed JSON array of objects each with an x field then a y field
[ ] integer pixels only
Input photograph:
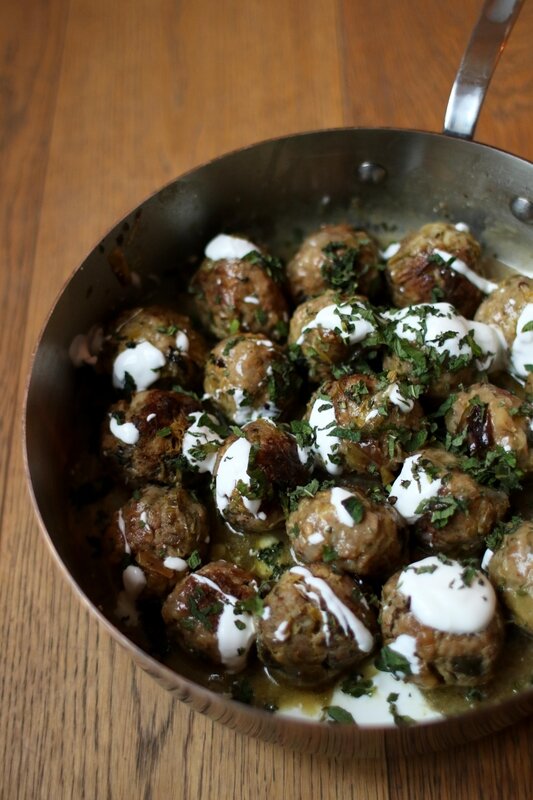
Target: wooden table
[{"x": 101, "y": 103}]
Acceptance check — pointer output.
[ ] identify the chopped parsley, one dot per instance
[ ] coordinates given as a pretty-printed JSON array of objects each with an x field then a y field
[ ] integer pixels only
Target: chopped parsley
[
  {"x": 339, "y": 715},
  {"x": 357, "y": 686},
  {"x": 389, "y": 660},
  {"x": 355, "y": 508}
]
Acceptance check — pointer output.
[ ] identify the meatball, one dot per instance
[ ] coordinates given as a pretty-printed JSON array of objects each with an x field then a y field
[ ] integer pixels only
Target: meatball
[
  {"x": 240, "y": 293},
  {"x": 432, "y": 345},
  {"x": 142, "y": 438},
  {"x": 450, "y": 512},
  {"x": 315, "y": 624},
  {"x": 489, "y": 417},
  {"x": 207, "y": 614},
  {"x": 511, "y": 571},
  {"x": 337, "y": 257},
  {"x": 429, "y": 266},
  {"x": 441, "y": 624},
  {"x": 161, "y": 528},
  {"x": 363, "y": 424},
  {"x": 248, "y": 377},
  {"x": 345, "y": 527},
  {"x": 148, "y": 345},
  {"x": 328, "y": 331},
  {"x": 505, "y": 304},
  {"x": 253, "y": 472}
]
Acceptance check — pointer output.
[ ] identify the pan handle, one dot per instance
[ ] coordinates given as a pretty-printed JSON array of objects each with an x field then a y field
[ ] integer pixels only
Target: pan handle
[{"x": 486, "y": 44}]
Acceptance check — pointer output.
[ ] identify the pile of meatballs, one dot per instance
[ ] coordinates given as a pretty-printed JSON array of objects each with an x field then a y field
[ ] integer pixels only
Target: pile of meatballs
[{"x": 366, "y": 413}]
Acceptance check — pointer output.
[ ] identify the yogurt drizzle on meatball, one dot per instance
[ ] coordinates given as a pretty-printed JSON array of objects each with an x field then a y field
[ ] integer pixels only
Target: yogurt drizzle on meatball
[
  {"x": 224, "y": 246},
  {"x": 235, "y": 631},
  {"x": 412, "y": 487},
  {"x": 522, "y": 348},
  {"x": 442, "y": 597},
  {"x": 232, "y": 470},
  {"x": 201, "y": 441},
  {"x": 141, "y": 362},
  {"x": 320, "y": 593},
  {"x": 349, "y": 321}
]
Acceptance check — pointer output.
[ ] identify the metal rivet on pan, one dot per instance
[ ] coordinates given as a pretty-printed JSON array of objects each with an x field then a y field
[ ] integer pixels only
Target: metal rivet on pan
[
  {"x": 522, "y": 208},
  {"x": 368, "y": 172}
]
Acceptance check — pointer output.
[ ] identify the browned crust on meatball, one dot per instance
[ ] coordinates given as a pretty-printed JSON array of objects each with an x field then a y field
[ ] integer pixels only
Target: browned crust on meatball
[
  {"x": 357, "y": 400},
  {"x": 306, "y": 657},
  {"x": 373, "y": 547},
  {"x": 511, "y": 571},
  {"x": 159, "y": 522},
  {"x": 414, "y": 278},
  {"x": 307, "y": 272},
  {"x": 251, "y": 364},
  {"x": 152, "y": 458},
  {"x": 321, "y": 349},
  {"x": 275, "y": 458},
  {"x": 220, "y": 288},
  {"x": 156, "y": 325},
  {"x": 445, "y": 658},
  {"x": 505, "y": 304},
  {"x": 191, "y": 612},
  {"x": 489, "y": 417},
  {"x": 477, "y": 510}
]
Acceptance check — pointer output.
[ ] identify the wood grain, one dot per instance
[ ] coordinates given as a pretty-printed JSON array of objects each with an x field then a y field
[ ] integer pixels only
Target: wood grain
[{"x": 101, "y": 104}]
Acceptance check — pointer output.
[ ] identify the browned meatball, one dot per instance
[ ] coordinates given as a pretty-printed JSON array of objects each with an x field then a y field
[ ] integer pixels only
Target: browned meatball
[
  {"x": 491, "y": 417},
  {"x": 142, "y": 438},
  {"x": 505, "y": 304},
  {"x": 315, "y": 624},
  {"x": 337, "y": 257},
  {"x": 248, "y": 377},
  {"x": 206, "y": 614},
  {"x": 511, "y": 571},
  {"x": 342, "y": 526},
  {"x": 252, "y": 472},
  {"x": 154, "y": 345},
  {"x": 329, "y": 330},
  {"x": 363, "y": 424},
  {"x": 243, "y": 294},
  {"x": 456, "y": 515},
  {"x": 440, "y": 624},
  {"x": 417, "y": 273},
  {"x": 431, "y": 345},
  {"x": 161, "y": 528}
]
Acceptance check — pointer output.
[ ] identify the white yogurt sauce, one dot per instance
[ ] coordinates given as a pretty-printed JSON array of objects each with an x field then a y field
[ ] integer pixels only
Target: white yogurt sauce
[
  {"x": 492, "y": 342},
  {"x": 345, "y": 320},
  {"x": 412, "y": 486},
  {"x": 126, "y": 432},
  {"x": 281, "y": 634},
  {"x": 316, "y": 538},
  {"x": 440, "y": 598},
  {"x": 233, "y": 468},
  {"x": 150, "y": 417},
  {"x": 223, "y": 246},
  {"x": 487, "y": 558},
  {"x": 405, "y": 645},
  {"x": 142, "y": 362},
  {"x": 244, "y": 412},
  {"x": 462, "y": 226},
  {"x": 457, "y": 265},
  {"x": 347, "y": 620},
  {"x": 336, "y": 496},
  {"x": 175, "y": 563},
  {"x": 122, "y": 528},
  {"x": 182, "y": 342},
  {"x": 198, "y": 435},
  {"x": 390, "y": 251},
  {"x": 322, "y": 420},
  {"x": 134, "y": 581},
  {"x": 250, "y": 298},
  {"x": 436, "y": 321},
  {"x": 405, "y": 404},
  {"x": 233, "y": 642},
  {"x": 522, "y": 347},
  {"x": 375, "y": 710}
]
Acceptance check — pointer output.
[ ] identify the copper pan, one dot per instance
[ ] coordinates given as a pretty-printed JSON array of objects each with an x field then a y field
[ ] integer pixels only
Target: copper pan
[{"x": 400, "y": 177}]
